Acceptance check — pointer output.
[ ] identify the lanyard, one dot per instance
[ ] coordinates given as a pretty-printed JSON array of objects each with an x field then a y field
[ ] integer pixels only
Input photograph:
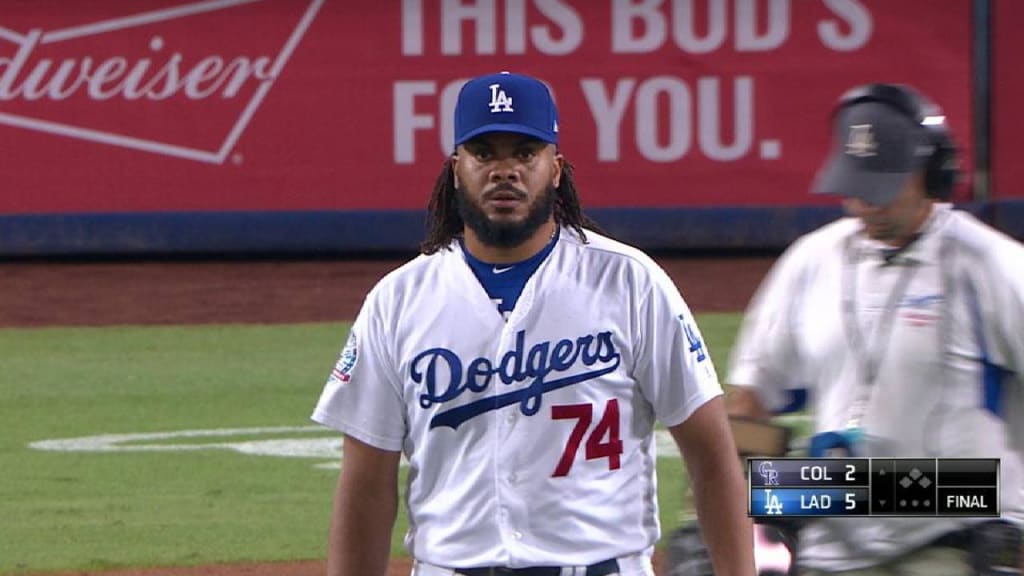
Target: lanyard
[{"x": 869, "y": 353}]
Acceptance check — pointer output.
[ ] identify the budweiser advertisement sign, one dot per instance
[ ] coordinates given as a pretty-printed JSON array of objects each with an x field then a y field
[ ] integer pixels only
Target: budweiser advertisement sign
[
  {"x": 282, "y": 105},
  {"x": 113, "y": 81}
]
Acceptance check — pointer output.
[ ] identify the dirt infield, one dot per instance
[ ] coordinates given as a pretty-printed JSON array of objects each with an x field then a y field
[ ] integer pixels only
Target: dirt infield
[
  {"x": 116, "y": 293},
  {"x": 108, "y": 293}
]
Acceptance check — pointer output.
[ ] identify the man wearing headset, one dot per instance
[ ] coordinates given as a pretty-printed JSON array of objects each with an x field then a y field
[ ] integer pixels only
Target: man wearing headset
[{"x": 903, "y": 324}]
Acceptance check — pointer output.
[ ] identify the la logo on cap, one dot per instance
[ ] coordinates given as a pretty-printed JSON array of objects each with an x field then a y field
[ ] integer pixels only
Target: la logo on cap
[
  {"x": 500, "y": 102},
  {"x": 861, "y": 142}
]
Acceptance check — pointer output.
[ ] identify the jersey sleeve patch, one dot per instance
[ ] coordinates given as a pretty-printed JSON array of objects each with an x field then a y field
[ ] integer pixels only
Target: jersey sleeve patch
[
  {"x": 342, "y": 371},
  {"x": 696, "y": 345}
]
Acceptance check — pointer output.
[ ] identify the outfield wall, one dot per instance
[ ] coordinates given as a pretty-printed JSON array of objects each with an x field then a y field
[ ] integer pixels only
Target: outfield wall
[{"x": 242, "y": 126}]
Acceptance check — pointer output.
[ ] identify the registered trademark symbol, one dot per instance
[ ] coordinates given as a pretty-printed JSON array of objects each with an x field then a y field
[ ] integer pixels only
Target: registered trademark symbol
[{"x": 237, "y": 158}]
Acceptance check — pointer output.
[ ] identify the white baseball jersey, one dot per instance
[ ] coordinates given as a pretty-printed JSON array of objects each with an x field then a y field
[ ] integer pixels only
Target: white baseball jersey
[
  {"x": 921, "y": 353},
  {"x": 529, "y": 441}
]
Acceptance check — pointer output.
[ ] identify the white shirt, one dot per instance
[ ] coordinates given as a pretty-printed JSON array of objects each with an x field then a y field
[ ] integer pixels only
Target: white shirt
[
  {"x": 922, "y": 325},
  {"x": 529, "y": 441}
]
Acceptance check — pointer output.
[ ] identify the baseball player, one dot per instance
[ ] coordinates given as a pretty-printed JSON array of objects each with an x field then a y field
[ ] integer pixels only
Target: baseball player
[
  {"x": 904, "y": 325},
  {"x": 520, "y": 365}
]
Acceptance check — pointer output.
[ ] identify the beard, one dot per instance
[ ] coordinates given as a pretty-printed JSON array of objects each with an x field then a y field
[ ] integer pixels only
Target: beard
[{"x": 500, "y": 234}]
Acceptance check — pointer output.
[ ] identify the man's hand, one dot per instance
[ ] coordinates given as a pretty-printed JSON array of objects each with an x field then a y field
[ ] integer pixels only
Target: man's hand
[
  {"x": 743, "y": 402},
  {"x": 751, "y": 426}
]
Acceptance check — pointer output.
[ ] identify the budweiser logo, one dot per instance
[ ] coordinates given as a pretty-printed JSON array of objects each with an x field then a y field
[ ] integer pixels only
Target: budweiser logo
[{"x": 178, "y": 81}]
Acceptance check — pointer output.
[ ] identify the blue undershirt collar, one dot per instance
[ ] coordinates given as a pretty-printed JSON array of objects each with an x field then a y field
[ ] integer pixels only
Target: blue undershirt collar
[{"x": 504, "y": 282}]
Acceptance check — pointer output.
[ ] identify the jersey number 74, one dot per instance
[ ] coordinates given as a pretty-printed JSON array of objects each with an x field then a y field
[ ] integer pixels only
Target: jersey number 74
[{"x": 602, "y": 442}]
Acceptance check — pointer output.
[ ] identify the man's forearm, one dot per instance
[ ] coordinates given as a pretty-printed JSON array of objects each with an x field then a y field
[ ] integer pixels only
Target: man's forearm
[
  {"x": 360, "y": 538},
  {"x": 725, "y": 527},
  {"x": 719, "y": 489}
]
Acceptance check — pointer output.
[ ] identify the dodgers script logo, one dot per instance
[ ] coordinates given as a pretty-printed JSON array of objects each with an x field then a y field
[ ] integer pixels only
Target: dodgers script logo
[
  {"x": 444, "y": 377},
  {"x": 921, "y": 310}
]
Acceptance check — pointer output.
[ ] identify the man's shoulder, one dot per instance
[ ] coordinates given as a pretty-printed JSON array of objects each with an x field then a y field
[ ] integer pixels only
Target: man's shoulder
[
  {"x": 983, "y": 253},
  {"x": 979, "y": 239},
  {"x": 831, "y": 237},
  {"x": 600, "y": 247},
  {"x": 414, "y": 273},
  {"x": 818, "y": 251}
]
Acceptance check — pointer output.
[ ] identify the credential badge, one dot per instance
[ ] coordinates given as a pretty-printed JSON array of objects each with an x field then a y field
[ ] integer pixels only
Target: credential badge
[
  {"x": 862, "y": 141},
  {"x": 500, "y": 102}
]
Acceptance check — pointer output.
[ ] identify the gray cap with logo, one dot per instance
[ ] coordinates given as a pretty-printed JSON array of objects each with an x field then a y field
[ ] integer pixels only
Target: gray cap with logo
[{"x": 876, "y": 149}]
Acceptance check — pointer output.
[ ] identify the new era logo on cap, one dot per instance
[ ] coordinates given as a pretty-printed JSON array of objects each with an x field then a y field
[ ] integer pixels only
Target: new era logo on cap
[{"x": 505, "y": 102}]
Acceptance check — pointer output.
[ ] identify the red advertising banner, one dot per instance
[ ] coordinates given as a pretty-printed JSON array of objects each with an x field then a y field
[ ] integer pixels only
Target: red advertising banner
[
  {"x": 1007, "y": 95},
  {"x": 238, "y": 105}
]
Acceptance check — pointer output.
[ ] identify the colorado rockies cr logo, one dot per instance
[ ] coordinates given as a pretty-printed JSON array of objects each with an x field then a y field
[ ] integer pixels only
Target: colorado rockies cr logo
[{"x": 441, "y": 372}]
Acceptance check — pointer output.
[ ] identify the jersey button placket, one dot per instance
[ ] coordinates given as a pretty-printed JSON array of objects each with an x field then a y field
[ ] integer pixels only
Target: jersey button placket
[
  {"x": 505, "y": 501},
  {"x": 509, "y": 480},
  {"x": 515, "y": 502}
]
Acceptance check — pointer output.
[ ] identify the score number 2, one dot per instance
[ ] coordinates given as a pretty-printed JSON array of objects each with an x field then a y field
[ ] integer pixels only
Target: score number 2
[{"x": 602, "y": 442}]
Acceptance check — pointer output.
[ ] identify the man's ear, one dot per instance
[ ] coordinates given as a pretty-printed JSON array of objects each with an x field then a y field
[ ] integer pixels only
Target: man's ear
[
  {"x": 453, "y": 159},
  {"x": 559, "y": 162}
]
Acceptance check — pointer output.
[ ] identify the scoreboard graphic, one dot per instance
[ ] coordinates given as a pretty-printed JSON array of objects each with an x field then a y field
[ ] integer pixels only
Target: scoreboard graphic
[{"x": 781, "y": 487}]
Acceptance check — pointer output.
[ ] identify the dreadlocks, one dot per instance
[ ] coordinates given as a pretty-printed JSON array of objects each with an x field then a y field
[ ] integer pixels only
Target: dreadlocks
[{"x": 444, "y": 223}]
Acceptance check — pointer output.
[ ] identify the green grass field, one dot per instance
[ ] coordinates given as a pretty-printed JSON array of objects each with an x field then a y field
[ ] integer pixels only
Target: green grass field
[{"x": 156, "y": 495}]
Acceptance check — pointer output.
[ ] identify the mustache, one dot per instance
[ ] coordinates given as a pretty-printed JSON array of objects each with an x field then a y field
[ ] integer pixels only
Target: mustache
[{"x": 504, "y": 187}]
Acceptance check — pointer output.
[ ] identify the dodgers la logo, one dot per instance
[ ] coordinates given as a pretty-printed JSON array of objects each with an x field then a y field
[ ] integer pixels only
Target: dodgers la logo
[
  {"x": 772, "y": 504},
  {"x": 500, "y": 102},
  {"x": 861, "y": 142},
  {"x": 445, "y": 378},
  {"x": 696, "y": 344}
]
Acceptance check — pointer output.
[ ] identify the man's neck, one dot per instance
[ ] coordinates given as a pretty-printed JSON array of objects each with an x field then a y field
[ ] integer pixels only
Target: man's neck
[
  {"x": 917, "y": 226},
  {"x": 498, "y": 255}
]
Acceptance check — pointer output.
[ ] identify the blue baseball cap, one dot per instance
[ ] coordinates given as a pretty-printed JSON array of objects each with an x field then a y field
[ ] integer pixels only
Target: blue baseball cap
[{"x": 505, "y": 102}]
